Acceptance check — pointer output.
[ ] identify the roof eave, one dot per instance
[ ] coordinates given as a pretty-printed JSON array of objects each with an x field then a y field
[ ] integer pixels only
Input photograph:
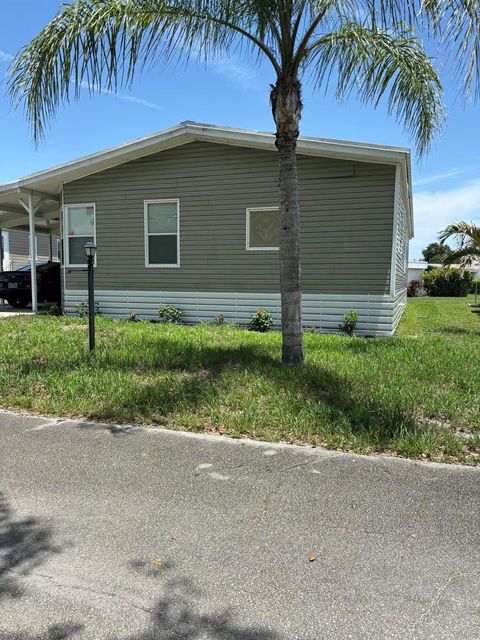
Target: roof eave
[{"x": 188, "y": 132}]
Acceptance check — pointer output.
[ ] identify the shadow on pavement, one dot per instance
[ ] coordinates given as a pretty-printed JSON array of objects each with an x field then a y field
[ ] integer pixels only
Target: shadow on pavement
[
  {"x": 24, "y": 544},
  {"x": 174, "y": 616}
]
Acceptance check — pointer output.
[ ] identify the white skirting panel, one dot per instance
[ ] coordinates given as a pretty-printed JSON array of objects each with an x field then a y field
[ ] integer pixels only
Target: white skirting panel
[{"x": 377, "y": 315}]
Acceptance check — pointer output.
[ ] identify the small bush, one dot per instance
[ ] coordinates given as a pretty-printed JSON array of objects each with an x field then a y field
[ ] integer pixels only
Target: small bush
[
  {"x": 261, "y": 320},
  {"x": 349, "y": 324},
  {"x": 82, "y": 309},
  {"x": 169, "y": 313},
  {"x": 447, "y": 282},
  {"x": 313, "y": 330},
  {"x": 413, "y": 289},
  {"x": 54, "y": 309}
]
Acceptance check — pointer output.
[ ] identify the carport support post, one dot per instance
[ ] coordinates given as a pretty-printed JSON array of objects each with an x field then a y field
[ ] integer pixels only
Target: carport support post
[{"x": 33, "y": 257}]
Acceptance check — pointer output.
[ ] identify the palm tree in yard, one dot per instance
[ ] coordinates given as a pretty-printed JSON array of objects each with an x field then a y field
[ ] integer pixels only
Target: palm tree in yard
[
  {"x": 363, "y": 46},
  {"x": 467, "y": 250}
]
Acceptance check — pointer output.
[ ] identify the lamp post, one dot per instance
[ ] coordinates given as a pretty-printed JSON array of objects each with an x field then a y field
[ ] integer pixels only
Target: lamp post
[{"x": 90, "y": 250}]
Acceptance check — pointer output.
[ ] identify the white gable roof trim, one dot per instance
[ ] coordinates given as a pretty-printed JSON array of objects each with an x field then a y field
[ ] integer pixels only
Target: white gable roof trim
[{"x": 51, "y": 180}]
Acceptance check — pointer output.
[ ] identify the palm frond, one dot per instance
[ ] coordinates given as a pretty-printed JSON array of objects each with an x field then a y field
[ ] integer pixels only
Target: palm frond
[
  {"x": 467, "y": 234},
  {"x": 373, "y": 62},
  {"x": 454, "y": 23},
  {"x": 463, "y": 257},
  {"x": 103, "y": 43}
]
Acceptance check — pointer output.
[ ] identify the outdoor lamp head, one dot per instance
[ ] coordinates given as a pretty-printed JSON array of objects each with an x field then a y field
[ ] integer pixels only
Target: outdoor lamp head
[{"x": 90, "y": 249}]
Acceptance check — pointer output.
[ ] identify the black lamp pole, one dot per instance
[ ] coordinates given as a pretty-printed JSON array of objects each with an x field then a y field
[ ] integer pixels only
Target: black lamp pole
[{"x": 90, "y": 249}]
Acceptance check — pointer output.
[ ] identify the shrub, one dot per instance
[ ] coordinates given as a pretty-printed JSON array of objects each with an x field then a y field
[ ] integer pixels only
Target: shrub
[
  {"x": 413, "y": 288},
  {"x": 261, "y": 320},
  {"x": 447, "y": 282},
  {"x": 82, "y": 309},
  {"x": 171, "y": 314},
  {"x": 349, "y": 324},
  {"x": 54, "y": 309}
]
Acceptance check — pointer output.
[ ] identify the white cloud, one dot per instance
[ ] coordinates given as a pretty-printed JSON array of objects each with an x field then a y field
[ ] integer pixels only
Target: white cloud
[
  {"x": 107, "y": 92},
  {"x": 237, "y": 72},
  {"x": 5, "y": 57},
  {"x": 434, "y": 210}
]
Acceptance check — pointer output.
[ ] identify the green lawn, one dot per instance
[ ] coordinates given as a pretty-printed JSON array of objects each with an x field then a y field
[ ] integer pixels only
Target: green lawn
[{"x": 417, "y": 394}]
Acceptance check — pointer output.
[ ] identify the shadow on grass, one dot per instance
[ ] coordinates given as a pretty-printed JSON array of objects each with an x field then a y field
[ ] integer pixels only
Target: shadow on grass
[
  {"x": 201, "y": 371},
  {"x": 454, "y": 331},
  {"x": 24, "y": 544}
]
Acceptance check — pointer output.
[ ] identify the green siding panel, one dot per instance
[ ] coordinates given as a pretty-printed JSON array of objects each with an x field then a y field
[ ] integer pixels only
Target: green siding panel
[{"x": 346, "y": 221}]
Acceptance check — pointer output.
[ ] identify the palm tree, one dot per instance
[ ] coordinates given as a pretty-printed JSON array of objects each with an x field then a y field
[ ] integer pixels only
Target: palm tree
[
  {"x": 467, "y": 251},
  {"x": 362, "y": 46}
]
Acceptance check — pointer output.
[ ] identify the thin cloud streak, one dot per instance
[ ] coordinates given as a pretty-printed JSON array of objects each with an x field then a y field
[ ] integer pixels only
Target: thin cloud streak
[
  {"x": 442, "y": 176},
  {"x": 94, "y": 88}
]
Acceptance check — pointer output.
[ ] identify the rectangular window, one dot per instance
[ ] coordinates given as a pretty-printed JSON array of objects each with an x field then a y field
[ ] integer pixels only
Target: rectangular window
[
  {"x": 162, "y": 236},
  {"x": 262, "y": 229},
  {"x": 79, "y": 229}
]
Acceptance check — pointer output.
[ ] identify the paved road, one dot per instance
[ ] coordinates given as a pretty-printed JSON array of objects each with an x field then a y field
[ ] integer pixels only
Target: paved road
[{"x": 128, "y": 534}]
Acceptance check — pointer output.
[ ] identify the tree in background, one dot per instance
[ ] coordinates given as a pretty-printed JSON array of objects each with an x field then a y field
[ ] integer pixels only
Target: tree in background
[
  {"x": 367, "y": 47},
  {"x": 436, "y": 252}
]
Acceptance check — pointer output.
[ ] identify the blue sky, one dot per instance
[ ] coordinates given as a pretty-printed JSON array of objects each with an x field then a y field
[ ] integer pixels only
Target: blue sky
[{"x": 234, "y": 92}]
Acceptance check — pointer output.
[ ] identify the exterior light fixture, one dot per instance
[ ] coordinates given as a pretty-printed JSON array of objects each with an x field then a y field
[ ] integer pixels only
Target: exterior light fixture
[{"x": 90, "y": 251}]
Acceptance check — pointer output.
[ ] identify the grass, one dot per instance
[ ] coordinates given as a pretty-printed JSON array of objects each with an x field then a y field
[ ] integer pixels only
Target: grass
[{"x": 414, "y": 395}]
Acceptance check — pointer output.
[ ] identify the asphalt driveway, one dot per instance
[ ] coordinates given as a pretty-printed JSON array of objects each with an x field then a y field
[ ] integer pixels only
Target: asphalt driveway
[{"x": 127, "y": 534}]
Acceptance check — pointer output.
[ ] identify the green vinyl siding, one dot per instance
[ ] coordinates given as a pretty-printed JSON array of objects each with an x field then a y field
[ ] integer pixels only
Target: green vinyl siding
[
  {"x": 346, "y": 221},
  {"x": 19, "y": 247}
]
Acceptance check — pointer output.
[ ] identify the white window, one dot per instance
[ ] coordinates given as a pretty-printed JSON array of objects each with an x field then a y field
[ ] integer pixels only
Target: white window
[
  {"x": 262, "y": 229},
  {"x": 162, "y": 235},
  {"x": 79, "y": 229}
]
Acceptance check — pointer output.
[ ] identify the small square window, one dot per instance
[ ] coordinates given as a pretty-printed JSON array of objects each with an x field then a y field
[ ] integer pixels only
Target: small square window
[{"x": 263, "y": 229}]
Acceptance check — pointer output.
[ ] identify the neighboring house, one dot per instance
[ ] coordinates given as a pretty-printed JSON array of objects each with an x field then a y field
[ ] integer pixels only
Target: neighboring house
[
  {"x": 16, "y": 251},
  {"x": 416, "y": 269},
  {"x": 189, "y": 217}
]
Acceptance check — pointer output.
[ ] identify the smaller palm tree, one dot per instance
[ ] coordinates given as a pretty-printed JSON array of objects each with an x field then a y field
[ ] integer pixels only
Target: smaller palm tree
[{"x": 467, "y": 250}]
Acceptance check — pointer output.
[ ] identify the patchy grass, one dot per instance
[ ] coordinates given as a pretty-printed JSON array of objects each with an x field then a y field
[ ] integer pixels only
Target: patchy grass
[{"x": 415, "y": 395}]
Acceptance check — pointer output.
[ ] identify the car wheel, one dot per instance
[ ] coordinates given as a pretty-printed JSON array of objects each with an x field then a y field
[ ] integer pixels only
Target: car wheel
[{"x": 18, "y": 303}]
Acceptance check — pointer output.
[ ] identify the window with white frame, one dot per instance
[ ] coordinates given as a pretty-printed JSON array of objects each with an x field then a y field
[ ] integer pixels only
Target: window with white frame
[
  {"x": 262, "y": 229},
  {"x": 162, "y": 236},
  {"x": 79, "y": 229}
]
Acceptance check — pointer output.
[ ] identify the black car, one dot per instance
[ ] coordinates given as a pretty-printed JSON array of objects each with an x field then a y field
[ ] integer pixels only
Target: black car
[{"x": 16, "y": 286}]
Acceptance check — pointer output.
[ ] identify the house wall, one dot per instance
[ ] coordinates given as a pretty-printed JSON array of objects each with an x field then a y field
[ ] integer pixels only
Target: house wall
[
  {"x": 401, "y": 244},
  {"x": 400, "y": 252},
  {"x": 346, "y": 235},
  {"x": 19, "y": 252}
]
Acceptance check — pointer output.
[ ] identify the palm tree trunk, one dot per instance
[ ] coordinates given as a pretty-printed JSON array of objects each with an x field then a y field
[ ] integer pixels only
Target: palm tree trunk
[{"x": 287, "y": 107}]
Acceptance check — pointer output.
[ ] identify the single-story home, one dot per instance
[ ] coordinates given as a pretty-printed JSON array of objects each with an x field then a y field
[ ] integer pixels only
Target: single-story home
[
  {"x": 416, "y": 268},
  {"x": 189, "y": 217},
  {"x": 15, "y": 250}
]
